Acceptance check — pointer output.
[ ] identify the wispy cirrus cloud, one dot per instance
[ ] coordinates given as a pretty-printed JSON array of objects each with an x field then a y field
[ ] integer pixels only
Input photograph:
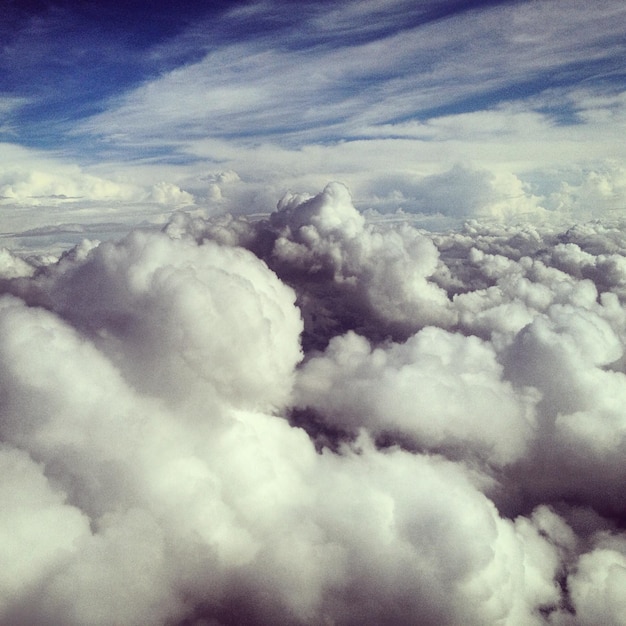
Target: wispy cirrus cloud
[
  {"x": 526, "y": 92},
  {"x": 323, "y": 83}
]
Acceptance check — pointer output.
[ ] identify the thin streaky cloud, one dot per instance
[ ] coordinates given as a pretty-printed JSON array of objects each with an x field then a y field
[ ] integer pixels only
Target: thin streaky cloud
[
  {"x": 330, "y": 91},
  {"x": 247, "y": 89}
]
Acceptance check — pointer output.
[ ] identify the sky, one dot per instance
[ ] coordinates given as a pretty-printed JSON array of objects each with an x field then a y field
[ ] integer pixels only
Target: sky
[
  {"x": 442, "y": 109},
  {"x": 312, "y": 313}
]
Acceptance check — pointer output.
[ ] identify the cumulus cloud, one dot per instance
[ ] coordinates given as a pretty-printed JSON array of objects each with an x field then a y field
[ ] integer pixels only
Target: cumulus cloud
[
  {"x": 313, "y": 418},
  {"x": 41, "y": 191},
  {"x": 53, "y": 187},
  {"x": 12, "y": 266},
  {"x": 602, "y": 188},
  {"x": 598, "y": 583},
  {"x": 380, "y": 278},
  {"x": 355, "y": 385},
  {"x": 461, "y": 192},
  {"x": 44, "y": 186},
  {"x": 170, "y": 195},
  {"x": 169, "y": 303}
]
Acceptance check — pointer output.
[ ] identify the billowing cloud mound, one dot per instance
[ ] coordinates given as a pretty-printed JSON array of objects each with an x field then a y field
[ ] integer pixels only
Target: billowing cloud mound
[
  {"x": 357, "y": 384},
  {"x": 313, "y": 419},
  {"x": 348, "y": 274},
  {"x": 172, "y": 315}
]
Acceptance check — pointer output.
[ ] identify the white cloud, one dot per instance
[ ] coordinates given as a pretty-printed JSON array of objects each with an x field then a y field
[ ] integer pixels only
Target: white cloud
[
  {"x": 383, "y": 272},
  {"x": 12, "y": 266},
  {"x": 42, "y": 191},
  {"x": 592, "y": 192},
  {"x": 39, "y": 530},
  {"x": 598, "y": 583},
  {"x": 168, "y": 315},
  {"x": 434, "y": 391},
  {"x": 33, "y": 178},
  {"x": 254, "y": 88},
  {"x": 395, "y": 102},
  {"x": 170, "y": 195},
  {"x": 162, "y": 467}
]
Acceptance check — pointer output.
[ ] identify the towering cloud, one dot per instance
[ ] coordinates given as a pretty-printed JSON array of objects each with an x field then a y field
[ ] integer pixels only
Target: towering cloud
[
  {"x": 348, "y": 274},
  {"x": 315, "y": 419}
]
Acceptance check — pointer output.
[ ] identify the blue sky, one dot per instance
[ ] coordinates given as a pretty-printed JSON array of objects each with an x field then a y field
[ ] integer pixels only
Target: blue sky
[{"x": 518, "y": 106}]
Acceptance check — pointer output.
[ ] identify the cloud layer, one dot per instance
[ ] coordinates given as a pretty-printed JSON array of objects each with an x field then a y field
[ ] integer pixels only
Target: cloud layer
[
  {"x": 393, "y": 405},
  {"x": 315, "y": 418},
  {"x": 498, "y": 110}
]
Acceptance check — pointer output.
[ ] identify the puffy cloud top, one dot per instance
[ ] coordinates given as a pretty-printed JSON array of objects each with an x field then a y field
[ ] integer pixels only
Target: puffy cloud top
[{"x": 171, "y": 304}]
